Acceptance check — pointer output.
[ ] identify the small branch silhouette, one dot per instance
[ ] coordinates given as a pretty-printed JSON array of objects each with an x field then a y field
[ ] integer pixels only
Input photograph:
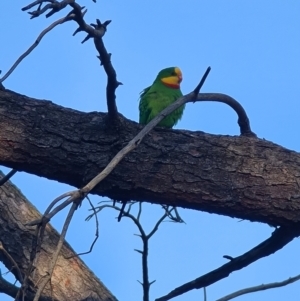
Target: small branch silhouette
[
  {"x": 279, "y": 238},
  {"x": 7, "y": 177},
  {"x": 146, "y": 284},
  {"x": 258, "y": 288},
  {"x": 243, "y": 120}
]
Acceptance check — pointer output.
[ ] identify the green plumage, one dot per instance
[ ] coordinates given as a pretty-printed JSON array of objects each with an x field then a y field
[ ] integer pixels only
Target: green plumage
[{"x": 157, "y": 97}]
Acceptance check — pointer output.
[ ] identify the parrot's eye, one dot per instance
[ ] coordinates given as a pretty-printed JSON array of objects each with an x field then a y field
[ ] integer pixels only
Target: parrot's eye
[{"x": 174, "y": 73}]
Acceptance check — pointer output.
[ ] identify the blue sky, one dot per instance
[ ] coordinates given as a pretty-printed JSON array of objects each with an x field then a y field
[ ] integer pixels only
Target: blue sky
[{"x": 253, "y": 48}]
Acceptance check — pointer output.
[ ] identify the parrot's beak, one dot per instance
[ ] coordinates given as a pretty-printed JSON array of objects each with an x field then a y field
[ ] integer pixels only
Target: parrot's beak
[{"x": 179, "y": 74}]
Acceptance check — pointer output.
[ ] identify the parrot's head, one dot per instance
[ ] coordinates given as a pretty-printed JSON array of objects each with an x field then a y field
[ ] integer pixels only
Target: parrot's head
[{"x": 170, "y": 77}]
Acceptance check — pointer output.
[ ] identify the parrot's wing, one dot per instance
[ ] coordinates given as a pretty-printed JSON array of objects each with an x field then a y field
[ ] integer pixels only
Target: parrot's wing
[
  {"x": 144, "y": 108},
  {"x": 153, "y": 100}
]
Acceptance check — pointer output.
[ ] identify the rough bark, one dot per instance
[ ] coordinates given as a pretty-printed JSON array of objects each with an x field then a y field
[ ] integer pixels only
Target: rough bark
[
  {"x": 247, "y": 178},
  {"x": 71, "y": 280}
]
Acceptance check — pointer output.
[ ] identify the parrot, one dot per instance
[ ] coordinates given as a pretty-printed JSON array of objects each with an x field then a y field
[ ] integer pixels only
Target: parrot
[{"x": 164, "y": 91}]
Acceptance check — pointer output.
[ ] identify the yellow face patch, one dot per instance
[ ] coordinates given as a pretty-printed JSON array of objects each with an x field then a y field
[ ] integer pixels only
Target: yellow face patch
[{"x": 174, "y": 80}]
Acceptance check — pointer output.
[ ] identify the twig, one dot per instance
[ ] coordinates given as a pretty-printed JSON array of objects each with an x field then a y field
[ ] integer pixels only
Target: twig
[
  {"x": 1, "y": 86},
  {"x": 95, "y": 31},
  {"x": 279, "y": 238},
  {"x": 145, "y": 239},
  {"x": 49, "y": 214},
  {"x": 112, "y": 83},
  {"x": 96, "y": 234},
  {"x": 8, "y": 288},
  {"x": 54, "y": 5},
  {"x": 15, "y": 265},
  {"x": 139, "y": 212},
  {"x": 54, "y": 257},
  {"x": 260, "y": 288},
  {"x": 155, "y": 228},
  {"x": 124, "y": 203},
  {"x": 243, "y": 119},
  {"x": 35, "y": 44},
  {"x": 177, "y": 218},
  {"x": 7, "y": 177}
]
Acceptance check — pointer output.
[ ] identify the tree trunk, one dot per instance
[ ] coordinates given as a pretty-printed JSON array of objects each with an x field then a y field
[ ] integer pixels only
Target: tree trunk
[{"x": 247, "y": 178}]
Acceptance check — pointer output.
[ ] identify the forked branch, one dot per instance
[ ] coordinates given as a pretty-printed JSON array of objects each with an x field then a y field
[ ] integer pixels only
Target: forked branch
[
  {"x": 146, "y": 284},
  {"x": 95, "y": 31}
]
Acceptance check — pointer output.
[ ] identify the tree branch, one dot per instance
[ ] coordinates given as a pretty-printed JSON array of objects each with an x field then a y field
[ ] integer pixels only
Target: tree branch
[
  {"x": 72, "y": 279},
  {"x": 225, "y": 175},
  {"x": 7, "y": 177},
  {"x": 95, "y": 31},
  {"x": 112, "y": 83},
  {"x": 279, "y": 238},
  {"x": 54, "y": 257},
  {"x": 145, "y": 239},
  {"x": 12, "y": 291},
  {"x": 258, "y": 288},
  {"x": 35, "y": 44},
  {"x": 243, "y": 120}
]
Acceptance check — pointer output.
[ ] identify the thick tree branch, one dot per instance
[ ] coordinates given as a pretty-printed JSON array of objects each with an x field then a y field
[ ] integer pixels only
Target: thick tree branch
[
  {"x": 280, "y": 237},
  {"x": 219, "y": 174},
  {"x": 80, "y": 194},
  {"x": 71, "y": 279}
]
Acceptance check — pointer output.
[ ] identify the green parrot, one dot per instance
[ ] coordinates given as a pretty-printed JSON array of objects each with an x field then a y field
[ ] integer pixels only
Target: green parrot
[{"x": 164, "y": 91}]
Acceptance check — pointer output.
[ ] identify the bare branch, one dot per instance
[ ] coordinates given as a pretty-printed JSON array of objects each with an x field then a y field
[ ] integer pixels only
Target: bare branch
[
  {"x": 8, "y": 288},
  {"x": 157, "y": 225},
  {"x": 15, "y": 265},
  {"x": 54, "y": 257},
  {"x": 48, "y": 214},
  {"x": 140, "y": 211},
  {"x": 96, "y": 234},
  {"x": 12, "y": 291},
  {"x": 54, "y": 7},
  {"x": 145, "y": 239},
  {"x": 279, "y": 238},
  {"x": 243, "y": 119},
  {"x": 260, "y": 288},
  {"x": 35, "y": 44},
  {"x": 7, "y": 177},
  {"x": 112, "y": 83},
  {"x": 95, "y": 31},
  {"x": 205, "y": 295}
]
